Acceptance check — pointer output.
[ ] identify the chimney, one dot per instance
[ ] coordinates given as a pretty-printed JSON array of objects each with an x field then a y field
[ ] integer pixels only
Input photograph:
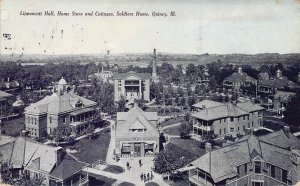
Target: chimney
[
  {"x": 240, "y": 71},
  {"x": 154, "y": 63},
  {"x": 279, "y": 73},
  {"x": 295, "y": 173},
  {"x": 59, "y": 155},
  {"x": 136, "y": 104},
  {"x": 208, "y": 147},
  {"x": 286, "y": 130}
]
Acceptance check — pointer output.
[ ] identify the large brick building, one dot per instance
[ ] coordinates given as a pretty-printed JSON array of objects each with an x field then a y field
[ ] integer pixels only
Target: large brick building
[
  {"x": 136, "y": 133},
  {"x": 223, "y": 119},
  {"x": 63, "y": 107},
  {"x": 273, "y": 159}
]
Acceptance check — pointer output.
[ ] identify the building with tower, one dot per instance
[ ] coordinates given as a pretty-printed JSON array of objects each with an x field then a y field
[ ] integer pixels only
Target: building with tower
[{"x": 62, "y": 108}]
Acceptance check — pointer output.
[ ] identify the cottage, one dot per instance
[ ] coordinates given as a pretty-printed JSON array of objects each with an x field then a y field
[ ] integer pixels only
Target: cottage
[{"x": 37, "y": 160}]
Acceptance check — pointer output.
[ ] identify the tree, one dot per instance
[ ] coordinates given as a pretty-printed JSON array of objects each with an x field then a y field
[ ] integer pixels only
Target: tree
[
  {"x": 292, "y": 113},
  {"x": 166, "y": 162},
  {"x": 90, "y": 130},
  {"x": 6, "y": 173},
  {"x": 57, "y": 134},
  {"x": 121, "y": 104},
  {"x": 184, "y": 130}
]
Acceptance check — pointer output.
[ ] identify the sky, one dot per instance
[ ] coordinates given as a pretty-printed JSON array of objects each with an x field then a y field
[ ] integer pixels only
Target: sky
[{"x": 200, "y": 26}]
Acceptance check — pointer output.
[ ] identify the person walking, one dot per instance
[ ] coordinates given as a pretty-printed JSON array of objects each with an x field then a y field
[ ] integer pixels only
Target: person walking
[
  {"x": 127, "y": 165},
  {"x": 140, "y": 162},
  {"x": 148, "y": 176},
  {"x": 142, "y": 176},
  {"x": 152, "y": 176},
  {"x": 145, "y": 178}
]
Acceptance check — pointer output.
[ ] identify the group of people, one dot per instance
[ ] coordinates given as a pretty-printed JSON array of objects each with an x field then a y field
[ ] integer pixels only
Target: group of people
[{"x": 147, "y": 177}]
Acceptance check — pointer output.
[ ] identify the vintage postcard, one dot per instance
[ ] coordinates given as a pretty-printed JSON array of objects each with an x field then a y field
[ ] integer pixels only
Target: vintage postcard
[{"x": 155, "y": 93}]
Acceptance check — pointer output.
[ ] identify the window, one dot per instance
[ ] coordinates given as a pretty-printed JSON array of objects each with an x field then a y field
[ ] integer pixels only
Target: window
[
  {"x": 224, "y": 130},
  {"x": 238, "y": 119},
  {"x": 35, "y": 121},
  {"x": 257, "y": 167},
  {"x": 257, "y": 183},
  {"x": 231, "y": 119},
  {"x": 284, "y": 175},
  {"x": 244, "y": 127},
  {"x": 31, "y": 120},
  {"x": 224, "y": 120},
  {"x": 248, "y": 125},
  {"x": 252, "y": 124},
  {"x": 64, "y": 119},
  {"x": 231, "y": 129},
  {"x": 220, "y": 132},
  {"x": 272, "y": 171},
  {"x": 50, "y": 119},
  {"x": 244, "y": 117},
  {"x": 238, "y": 128}
]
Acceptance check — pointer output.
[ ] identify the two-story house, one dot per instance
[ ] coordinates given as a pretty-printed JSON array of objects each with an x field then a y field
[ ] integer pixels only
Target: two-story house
[
  {"x": 273, "y": 159},
  {"x": 238, "y": 79},
  {"x": 224, "y": 119}
]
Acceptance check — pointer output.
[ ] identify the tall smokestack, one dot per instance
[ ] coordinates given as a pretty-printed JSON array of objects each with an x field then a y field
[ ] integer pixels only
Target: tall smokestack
[{"x": 154, "y": 64}]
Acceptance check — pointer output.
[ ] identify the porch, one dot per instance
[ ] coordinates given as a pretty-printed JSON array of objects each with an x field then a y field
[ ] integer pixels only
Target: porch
[
  {"x": 81, "y": 118},
  {"x": 200, "y": 177}
]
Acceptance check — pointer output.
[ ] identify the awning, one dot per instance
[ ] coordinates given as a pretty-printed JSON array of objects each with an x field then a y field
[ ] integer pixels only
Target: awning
[
  {"x": 84, "y": 110},
  {"x": 126, "y": 149}
]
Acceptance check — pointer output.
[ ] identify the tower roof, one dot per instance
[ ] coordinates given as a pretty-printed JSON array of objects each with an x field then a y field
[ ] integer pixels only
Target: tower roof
[{"x": 62, "y": 81}]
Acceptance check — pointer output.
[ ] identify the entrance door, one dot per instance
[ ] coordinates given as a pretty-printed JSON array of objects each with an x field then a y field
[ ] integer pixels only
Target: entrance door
[{"x": 137, "y": 149}]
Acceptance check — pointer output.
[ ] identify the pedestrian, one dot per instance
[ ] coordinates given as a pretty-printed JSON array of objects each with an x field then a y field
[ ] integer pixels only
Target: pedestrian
[
  {"x": 127, "y": 165},
  {"x": 148, "y": 176},
  {"x": 152, "y": 176},
  {"x": 145, "y": 178},
  {"x": 142, "y": 176},
  {"x": 140, "y": 162}
]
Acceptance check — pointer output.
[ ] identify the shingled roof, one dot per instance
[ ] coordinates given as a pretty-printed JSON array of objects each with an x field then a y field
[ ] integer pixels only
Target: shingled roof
[
  {"x": 243, "y": 151},
  {"x": 216, "y": 110},
  {"x": 142, "y": 76},
  {"x": 239, "y": 77},
  {"x": 58, "y": 103}
]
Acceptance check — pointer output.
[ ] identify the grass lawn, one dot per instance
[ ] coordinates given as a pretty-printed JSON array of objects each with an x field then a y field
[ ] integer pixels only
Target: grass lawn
[
  {"x": 151, "y": 184},
  {"x": 187, "y": 148},
  {"x": 114, "y": 169},
  {"x": 172, "y": 121},
  {"x": 13, "y": 127},
  {"x": 184, "y": 180},
  {"x": 172, "y": 130},
  {"x": 126, "y": 184},
  {"x": 100, "y": 180},
  {"x": 94, "y": 149}
]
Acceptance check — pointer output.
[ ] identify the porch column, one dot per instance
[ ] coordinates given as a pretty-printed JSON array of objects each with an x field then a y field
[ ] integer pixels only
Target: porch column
[
  {"x": 132, "y": 149},
  {"x": 140, "y": 88},
  {"x": 143, "y": 149}
]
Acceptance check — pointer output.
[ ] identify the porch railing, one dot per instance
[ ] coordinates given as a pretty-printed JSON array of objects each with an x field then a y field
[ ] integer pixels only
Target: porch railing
[{"x": 82, "y": 182}]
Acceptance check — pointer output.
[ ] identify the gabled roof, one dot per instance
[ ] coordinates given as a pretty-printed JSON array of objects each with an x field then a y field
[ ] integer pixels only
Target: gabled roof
[
  {"x": 57, "y": 103},
  {"x": 4, "y": 94},
  {"x": 24, "y": 151},
  {"x": 249, "y": 106},
  {"x": 239, "y": 77},
  {"x": 208, "y": 104},
  {"x": 67, "y": 168},
  {"x": 280, "y": 139},
  {"x": 224, "y": 111},
  {"x": 142, "y": 76},
  {"x": 276, "y": 82},
  {"x": 243, "y": 151},
  {"x": 136, "y": 117}
]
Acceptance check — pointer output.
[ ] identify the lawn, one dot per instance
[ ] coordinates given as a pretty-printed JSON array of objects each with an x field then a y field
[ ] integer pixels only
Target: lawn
[
  {"x": 114, "y": 169},
  {"x": 95, "y": 179},
  {"x": 126, "y": 184},
  {"x": 172, "y": 121},
  {"x": 13, "y": 127},
  {"x": 94, "y": 149},
  {"x": 187, "y": 148},
  {"x": 172, "y": 130}
]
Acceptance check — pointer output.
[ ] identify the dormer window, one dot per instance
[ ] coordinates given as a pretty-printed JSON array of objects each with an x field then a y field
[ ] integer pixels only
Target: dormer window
[
  {"x": 78, "y": 104},
  {"x": 257, "y": 167}
]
